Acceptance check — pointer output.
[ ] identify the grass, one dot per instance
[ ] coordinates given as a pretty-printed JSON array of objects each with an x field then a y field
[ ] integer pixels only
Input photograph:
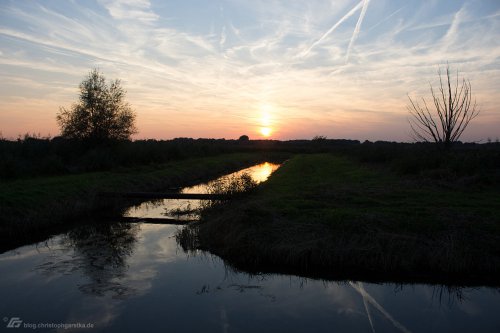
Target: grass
[
  {"x": 334, "y": 216},
  {"x": 32, "y": 207},
  {"x": 231, "y": 186}
]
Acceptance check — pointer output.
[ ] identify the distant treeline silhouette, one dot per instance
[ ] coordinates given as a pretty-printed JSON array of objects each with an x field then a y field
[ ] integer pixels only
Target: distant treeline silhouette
[
  {"x": 465, "y": 163},
  {"x": 33, "y": 156}
]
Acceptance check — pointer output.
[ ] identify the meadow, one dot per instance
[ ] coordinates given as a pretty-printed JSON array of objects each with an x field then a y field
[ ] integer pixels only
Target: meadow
[{"x": 374, "y": 211}]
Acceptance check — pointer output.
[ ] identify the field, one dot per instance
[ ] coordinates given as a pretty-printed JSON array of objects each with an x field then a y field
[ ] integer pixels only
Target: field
[{"x": 333, "y": 216}]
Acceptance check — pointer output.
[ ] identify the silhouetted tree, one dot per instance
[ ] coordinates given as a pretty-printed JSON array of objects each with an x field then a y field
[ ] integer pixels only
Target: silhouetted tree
[
  {"x": 101, "y": 112},
  {"x": 244, "y": 138},
  {"x": 453, "y": 110}
]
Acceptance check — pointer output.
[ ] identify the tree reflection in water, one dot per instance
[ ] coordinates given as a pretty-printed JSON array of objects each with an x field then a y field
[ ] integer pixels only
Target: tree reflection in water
[{"x": 99, "y": 252}]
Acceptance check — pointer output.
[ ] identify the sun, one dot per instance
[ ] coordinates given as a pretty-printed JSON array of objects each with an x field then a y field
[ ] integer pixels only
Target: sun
[{"x": 265, "y": 131}]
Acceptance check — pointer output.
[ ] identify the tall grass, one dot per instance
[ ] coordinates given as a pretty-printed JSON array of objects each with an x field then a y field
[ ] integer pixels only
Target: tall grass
[
  {"x": 230, "y": 186},
  {"x": 234, "y": 187}
]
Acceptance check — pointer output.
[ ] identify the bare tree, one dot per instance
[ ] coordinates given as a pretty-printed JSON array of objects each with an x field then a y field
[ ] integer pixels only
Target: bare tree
[
  {"x": 454, "y": 108},
  {"x": 101, "y": 112}
]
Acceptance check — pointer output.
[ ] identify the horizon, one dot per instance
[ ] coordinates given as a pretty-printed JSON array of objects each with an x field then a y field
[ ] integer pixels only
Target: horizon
[{"x": 270, "y": 70}]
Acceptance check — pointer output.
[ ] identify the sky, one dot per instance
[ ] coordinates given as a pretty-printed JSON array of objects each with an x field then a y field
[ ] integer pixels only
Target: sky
[{"x": 263, "y": 68}]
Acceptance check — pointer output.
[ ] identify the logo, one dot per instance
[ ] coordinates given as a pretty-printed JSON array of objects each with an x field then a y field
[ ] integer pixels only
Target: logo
[{"x": 15, "y": 322}]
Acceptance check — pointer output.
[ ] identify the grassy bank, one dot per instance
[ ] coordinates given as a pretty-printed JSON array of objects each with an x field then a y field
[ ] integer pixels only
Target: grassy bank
[
  {"x": 32, "y": 207},
  {"x": 336, "y": 217}
]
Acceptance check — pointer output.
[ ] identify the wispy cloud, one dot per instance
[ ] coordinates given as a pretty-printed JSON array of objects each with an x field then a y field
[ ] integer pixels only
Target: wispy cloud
[
  {"x": 137, "y": 10},
  {"x": 451, "y": 34}
]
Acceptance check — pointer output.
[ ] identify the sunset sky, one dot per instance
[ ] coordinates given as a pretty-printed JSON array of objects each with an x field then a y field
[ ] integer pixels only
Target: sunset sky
[{"x": 264, "y": 68}]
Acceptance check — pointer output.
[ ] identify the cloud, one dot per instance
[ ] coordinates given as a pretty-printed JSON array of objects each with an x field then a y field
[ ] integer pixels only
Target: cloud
[
  {"x": 452, "y": 33},
  {"x": 134, "y": 10}
]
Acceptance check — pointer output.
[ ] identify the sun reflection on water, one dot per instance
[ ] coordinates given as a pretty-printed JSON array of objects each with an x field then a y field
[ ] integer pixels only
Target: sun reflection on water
[{"x": 158, "y": 208}]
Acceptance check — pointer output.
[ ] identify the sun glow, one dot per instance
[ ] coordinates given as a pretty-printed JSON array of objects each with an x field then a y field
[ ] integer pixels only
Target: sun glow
[
  {"x": 265, "y": 120},
  {"x": 265, "y": 131}
]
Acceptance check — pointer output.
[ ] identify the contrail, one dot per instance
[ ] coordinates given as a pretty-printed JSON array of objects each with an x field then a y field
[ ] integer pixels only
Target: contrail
[
  {"x": 379, "y": 307},
  {"x": 223, "y": 37},
  {"x": 357, "y": 29},
  {"x": 365, "y": 302},
  {"x": 386, "y": 18},
  {"x": 335, "y": 26}
]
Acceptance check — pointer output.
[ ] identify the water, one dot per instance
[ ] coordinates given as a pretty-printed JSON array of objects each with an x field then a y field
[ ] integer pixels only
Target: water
[
  {"x": 123, "y": 277},
  {"x": 167, "y": 208}
]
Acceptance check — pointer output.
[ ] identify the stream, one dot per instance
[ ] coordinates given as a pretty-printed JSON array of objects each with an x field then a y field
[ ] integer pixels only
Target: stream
[{"x": 133, "y": 277}]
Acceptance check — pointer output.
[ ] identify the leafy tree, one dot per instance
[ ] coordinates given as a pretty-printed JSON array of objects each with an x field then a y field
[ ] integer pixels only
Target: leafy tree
[
  {"x": 101, "y": 112},
  {"x": 454, "y": 108}
]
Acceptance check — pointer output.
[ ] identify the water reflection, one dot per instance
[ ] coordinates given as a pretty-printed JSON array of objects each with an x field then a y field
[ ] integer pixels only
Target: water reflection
[
  {"x": 188, "y": 209},
  {"x": 114, "y": 274},
  {"x": 259, "y": 173},
  {"x": 368, "y": 301},
  {"x": 98, "y": 251}
]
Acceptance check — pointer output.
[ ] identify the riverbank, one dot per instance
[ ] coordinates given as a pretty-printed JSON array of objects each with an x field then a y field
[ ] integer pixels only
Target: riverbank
[
  {"x": 333, "y": 217},
  {"x": 33, "y": 208}
]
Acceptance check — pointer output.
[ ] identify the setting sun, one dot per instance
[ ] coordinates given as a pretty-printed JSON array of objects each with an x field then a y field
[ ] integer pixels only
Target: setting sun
[{"x": 265, "y": 131}]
